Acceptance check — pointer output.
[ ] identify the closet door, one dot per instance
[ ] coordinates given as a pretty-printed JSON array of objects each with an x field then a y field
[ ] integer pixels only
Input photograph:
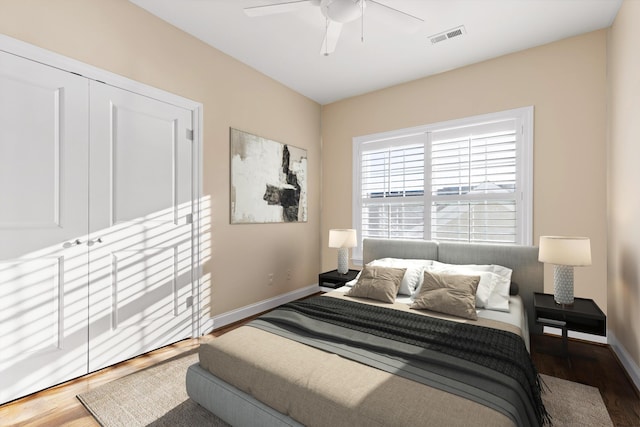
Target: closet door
[
  {"x": 43, "y": 226},
  {"x": 141, "y": 225}
]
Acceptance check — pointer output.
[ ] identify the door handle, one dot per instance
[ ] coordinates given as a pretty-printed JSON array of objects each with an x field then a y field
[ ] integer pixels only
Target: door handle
[
  {"x": 93, "y": 242},
  {"x": 70, "y": 244}
]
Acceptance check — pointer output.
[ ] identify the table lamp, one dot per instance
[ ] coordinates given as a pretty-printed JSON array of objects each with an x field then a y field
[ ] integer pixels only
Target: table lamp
[
  {"x": 343, "y": 239},
  {"x": 565, "y": 252}
]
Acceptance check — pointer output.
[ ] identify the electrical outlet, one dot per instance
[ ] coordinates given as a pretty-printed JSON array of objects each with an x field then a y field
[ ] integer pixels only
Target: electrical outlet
[
  {"x": 189, "y": 301},
  {"x": 270, "y": 279}
]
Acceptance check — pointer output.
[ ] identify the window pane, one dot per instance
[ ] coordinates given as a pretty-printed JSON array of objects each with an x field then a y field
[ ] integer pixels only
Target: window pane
[
  {"x": 493, "y": 163},
  {"x": 476, "y": 163},
  {"x": 393, "y": 191},
  {"x": 374, "y": 173},
  {"x": 492, "y": 221},
  {"x": 393, "y": 172},
  {"x": 393, "y": 220}
]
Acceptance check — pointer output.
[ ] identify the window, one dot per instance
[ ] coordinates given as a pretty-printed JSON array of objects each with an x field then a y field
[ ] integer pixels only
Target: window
[{"x": 466, "y": 180}]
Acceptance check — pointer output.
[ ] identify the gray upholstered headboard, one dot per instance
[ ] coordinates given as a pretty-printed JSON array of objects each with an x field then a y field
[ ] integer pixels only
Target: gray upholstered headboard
[{"x": 528, "y": 272}]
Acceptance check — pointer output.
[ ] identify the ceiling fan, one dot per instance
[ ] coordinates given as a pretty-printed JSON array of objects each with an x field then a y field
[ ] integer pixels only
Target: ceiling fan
[{"x": 336, "y": 13}]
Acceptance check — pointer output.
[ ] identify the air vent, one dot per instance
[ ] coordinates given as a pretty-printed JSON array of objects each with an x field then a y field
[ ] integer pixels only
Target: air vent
[{"x": 446, "y": 35}]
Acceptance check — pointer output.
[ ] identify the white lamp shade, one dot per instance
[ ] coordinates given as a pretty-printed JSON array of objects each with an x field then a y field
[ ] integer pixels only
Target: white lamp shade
[
  {"x": 342, "y": 238},
  {"x": 565, "y": 250}
]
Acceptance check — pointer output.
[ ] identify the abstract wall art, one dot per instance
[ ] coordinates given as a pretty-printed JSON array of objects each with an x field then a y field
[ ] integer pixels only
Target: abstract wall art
[{"x": 268, "y": 180}]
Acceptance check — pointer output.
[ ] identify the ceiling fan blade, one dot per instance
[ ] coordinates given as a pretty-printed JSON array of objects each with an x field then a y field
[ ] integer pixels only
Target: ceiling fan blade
[
  {"x": 272, "y": 9},
  {"x": 403, "y": 18},
  {"x": 331, "y": 37}
]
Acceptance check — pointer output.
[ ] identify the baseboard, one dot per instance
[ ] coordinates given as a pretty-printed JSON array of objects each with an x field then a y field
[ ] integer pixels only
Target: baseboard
[
  {"x": 241, "y": 313},
  {"x": 625, "y": 358},
  {"x": 578, "y": 335}
]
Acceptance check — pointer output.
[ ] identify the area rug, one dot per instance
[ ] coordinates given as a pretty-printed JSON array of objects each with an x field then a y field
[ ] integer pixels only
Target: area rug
[{"x": 157, "y": 396}]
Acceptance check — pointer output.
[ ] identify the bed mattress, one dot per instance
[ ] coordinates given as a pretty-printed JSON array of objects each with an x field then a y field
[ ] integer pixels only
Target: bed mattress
[{"x": 294, "y": 381}]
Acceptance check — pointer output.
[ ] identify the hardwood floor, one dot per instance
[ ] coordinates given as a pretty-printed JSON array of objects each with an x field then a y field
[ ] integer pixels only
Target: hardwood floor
[
  {"x": 58, "y": 406},
  {"x": 591, "y": 364},
  {"x": 595, "y": 365}
]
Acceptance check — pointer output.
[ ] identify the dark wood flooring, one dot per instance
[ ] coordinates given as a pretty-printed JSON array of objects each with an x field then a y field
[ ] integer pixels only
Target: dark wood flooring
[{"x": 591, "y": 364}]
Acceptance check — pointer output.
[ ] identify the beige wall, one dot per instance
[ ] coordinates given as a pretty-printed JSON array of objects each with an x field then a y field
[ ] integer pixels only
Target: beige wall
[
  {"x": 565, "y": 82},
  {"x": 117, "y": 36},
  {"x": 624, "y": 176}
]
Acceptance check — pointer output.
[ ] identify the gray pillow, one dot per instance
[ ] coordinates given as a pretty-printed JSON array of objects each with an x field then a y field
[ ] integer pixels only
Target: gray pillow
[
  {"x": 378, "y": 283},
  {"x": 448, "y": 293},
  {"x": 514, "y": 288}
]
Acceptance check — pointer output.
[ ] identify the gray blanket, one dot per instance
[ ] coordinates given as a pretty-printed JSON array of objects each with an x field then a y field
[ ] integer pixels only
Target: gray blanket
[{"x": 367, "y": 335}]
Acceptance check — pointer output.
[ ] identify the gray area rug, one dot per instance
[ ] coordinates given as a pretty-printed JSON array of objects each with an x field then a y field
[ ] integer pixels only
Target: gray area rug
[{"x": 157, "y": 396}]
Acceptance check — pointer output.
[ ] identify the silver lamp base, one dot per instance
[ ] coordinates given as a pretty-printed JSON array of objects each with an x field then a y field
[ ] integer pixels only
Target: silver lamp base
[
  {"x": 343, "y": 260},
  {"x": 563, "y": 284}
]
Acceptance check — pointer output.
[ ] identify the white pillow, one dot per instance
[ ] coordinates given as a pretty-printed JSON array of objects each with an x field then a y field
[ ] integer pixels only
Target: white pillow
[
  {"x": 413, "y": 276},
  {"x": 353, "y": 282},
  {"x": 493, "y": 289},
  {"x": 499, "y": 299}
]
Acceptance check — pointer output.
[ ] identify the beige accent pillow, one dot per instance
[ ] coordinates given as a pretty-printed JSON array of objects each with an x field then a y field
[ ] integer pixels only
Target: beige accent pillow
[
  {"x": 413, "y": 275},
  {"x": 493, "y": 289},
  {"x": 448, "y": 293},
  {"x": 378, "y": 283}
]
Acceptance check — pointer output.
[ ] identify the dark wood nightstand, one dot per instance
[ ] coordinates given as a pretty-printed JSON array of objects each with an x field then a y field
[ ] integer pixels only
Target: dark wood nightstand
[
  {"x": 332, "y": 279},
  {"x": 583, "y": 316}
]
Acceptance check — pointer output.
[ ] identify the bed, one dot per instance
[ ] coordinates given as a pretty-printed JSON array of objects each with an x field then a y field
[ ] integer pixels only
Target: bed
[{"x": 312, "y": 363}]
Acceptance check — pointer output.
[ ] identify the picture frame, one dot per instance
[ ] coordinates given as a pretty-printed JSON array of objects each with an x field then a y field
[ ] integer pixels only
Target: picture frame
[{"x": 268, "y": 180}]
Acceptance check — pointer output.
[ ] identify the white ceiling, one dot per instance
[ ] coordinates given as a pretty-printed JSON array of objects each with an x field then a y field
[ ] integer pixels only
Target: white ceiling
[{"x": 286, "y": 46}]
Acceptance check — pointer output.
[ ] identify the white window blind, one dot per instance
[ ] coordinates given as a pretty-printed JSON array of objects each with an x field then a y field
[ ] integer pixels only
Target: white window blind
[
  {"x": 392, "y": 191},
  {"x": 466, "y": 180},
  {"x": 474, "y": 183}
]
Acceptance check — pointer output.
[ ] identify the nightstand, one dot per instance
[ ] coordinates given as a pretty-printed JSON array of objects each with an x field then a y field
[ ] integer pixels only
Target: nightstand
[
  {"x": 583, "y": 316},
  {"x": 332, "y": 279}
]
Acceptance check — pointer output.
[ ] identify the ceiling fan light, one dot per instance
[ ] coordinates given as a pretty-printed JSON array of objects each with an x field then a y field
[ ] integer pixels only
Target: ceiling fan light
[{"x": 342, "y": 11}]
